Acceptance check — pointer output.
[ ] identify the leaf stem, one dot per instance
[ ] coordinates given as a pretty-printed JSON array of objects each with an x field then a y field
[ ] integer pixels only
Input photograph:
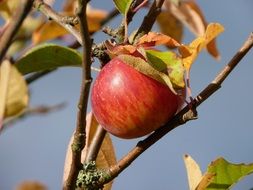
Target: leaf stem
[
  {"x": 80, "y": 135},
  {"x": 185, "y": 115},
  {"x": 15, "y": 23}
]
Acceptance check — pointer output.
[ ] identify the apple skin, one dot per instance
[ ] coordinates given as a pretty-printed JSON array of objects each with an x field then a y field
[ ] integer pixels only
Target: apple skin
[{"x": 129, "y": 104}]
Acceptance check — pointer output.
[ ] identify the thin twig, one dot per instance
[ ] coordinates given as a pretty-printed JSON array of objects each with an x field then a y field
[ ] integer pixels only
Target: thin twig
[
  {"x": 13, "y": 27},
  {"x": 183, "y": 116},
  {"x": 149, "y": 19},
  {"x": 79, "y": 135},
  {"x": 95, "y": 145},
  {"x": 60, "y": 19}
]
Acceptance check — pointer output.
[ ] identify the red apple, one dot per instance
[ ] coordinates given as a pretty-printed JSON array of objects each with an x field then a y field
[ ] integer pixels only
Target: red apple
[{"x": 129, "y": 104}]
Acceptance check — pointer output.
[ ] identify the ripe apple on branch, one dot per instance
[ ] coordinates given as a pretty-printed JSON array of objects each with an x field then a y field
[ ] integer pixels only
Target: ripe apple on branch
[{"x": 140, "y": 89}]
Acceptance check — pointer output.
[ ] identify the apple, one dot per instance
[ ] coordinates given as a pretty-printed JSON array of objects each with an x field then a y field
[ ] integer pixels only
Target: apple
[{"x": 129, "y": 104}]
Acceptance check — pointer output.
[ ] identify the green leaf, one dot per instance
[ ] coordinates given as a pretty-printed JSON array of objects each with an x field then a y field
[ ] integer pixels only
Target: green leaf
[
  {"x": 142, "y": 66},
  {"x": 169, "y": 63},
  {"x": 123, "y": 5},
  {"x": 48, "y": 56},
  {"x": 227, "y": 174}
]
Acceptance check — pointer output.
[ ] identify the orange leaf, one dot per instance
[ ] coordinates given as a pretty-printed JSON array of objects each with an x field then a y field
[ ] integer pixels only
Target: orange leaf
[
  {"x": 52, "y": 30},
  {"x": 212, "y": 31},
  {"x": 170, "y": 25},
  {"x": 115, "y": 50},
  {"x": 154, "y": 39},
  {"x": 48, "y": 31}
]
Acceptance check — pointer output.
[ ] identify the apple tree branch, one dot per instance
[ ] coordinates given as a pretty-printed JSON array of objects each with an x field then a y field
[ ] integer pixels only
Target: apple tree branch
[{"x": 80, "y": 135}]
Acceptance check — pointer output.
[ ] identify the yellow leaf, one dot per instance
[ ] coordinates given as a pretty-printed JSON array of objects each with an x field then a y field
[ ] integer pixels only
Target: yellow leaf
[
  {"x": 212, "y": 31},
  {"x": 14, "y": 92},
  {"x": 106, "y": 156},
  {"x": 170, "y": 25},
  {"x": 194, "y": 173}
]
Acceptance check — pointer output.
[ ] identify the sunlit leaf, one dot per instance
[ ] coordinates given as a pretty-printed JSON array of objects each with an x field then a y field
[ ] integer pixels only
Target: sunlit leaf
[
  {"x": 169, "y": 63},
  {"x": 123, "y": 5},
  {"x": 193, "y": 172},
  {"x": 48, "y": 56},
  {"x": 170, "y": 25},
  {"x": 155, "y": 39},
  {"x": 212, "y": 31},
  {"x": 14, "y": 92},
  {"x": 144, "y": 67},
  {"x": 106, "y": 156},
  {"x": 31, "y": 185},
  {"x": 227, "y": 174}
]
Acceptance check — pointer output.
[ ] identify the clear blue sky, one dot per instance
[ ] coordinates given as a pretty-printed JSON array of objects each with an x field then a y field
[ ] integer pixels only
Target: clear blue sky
[{"x": 35, "y": 147}]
